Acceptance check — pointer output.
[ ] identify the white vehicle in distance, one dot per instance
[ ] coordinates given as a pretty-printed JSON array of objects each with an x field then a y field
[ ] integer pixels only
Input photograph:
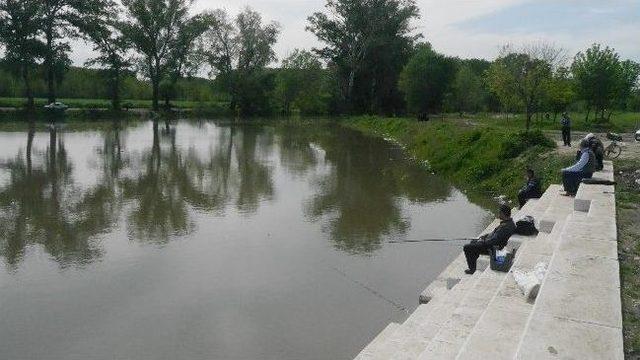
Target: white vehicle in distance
[{"x": 56, "y": 106}]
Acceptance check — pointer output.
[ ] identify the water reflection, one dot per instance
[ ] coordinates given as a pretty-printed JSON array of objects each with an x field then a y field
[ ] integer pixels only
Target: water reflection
[
  {"x": 41, "y": 205},
  {"x": 361, "y": 195},
  {"x": 154, "y": 179}
]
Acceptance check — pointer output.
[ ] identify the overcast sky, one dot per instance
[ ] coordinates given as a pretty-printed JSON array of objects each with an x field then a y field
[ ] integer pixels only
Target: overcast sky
[{"x": 470, "y": 28}]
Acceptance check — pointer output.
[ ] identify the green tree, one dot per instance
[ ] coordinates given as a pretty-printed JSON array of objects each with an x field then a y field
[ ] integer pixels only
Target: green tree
[
  {"x": 602, "y": 80},
  {"x": 112, "y": 49},
  {"x": 64, "y": 20},
  {"x": 520, "y": 77},
  {"x": 238, "y": 52},
  {"x": 467, "y": 90},
  {"x": 162, "y": 32},
  {"x": 369, "y": 42},
  {"x": 425, "y": 80},
  {"x": 560, "y": 93},
  {"x": 20, "y": 24},
  {"x": 299, "y": 83}
]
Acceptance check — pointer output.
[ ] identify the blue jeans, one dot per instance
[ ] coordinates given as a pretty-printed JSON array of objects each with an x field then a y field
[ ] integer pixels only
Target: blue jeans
[{"x": 571, "y": 180}]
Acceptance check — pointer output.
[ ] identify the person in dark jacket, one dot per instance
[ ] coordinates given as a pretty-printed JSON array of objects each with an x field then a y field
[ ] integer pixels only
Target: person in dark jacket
[
  {"x": 498, "y": 238},
  {"x": 596, "y": 145},
  {"x": 583, "y": 169},
  {"x": 565, "y": 122},
  {"x": 531, "y": 190}
]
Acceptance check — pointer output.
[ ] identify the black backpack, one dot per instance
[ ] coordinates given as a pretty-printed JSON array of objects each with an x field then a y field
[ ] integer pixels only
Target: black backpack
[{"x": 526, "y": 226}]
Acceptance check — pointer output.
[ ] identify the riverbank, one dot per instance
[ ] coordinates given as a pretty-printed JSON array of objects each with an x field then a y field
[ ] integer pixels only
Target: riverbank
[
  {"x": 475, "y": 146},
  {"x": 486, "y": 160},
  {"x": 576, "y": 314}
]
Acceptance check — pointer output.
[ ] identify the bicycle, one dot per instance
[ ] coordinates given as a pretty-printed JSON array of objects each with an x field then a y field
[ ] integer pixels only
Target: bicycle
[{"x": 614, "y": 150}]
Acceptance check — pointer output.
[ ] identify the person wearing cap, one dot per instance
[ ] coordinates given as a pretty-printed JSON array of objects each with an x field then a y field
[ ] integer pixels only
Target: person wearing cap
[
  {"x": 565, "y": 122},
  {"x": 596, "y": 145},
  {"x": 498, "y": 238},
  {"x": 531, "y": 189},
  {"x": 583, "y": 169}
]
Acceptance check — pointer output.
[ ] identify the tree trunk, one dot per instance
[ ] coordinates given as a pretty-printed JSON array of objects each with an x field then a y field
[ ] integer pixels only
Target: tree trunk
[
  {"x": 115, "y": 95},
  {"x": 156, "y": 91},
  {"x": 588, "y": 113},
  {"x": 51, "y": 88},
  {"x": 27, "y": 88},
  {"x": 528, "y": 122}
]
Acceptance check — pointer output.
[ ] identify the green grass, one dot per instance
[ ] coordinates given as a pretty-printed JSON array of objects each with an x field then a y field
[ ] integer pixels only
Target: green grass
[
  {"x": 620, "y": 122},
  {"x": 105, "y": 103},
  {"x": 628, "y": 200},
  {"x": 481, "y": 159}
]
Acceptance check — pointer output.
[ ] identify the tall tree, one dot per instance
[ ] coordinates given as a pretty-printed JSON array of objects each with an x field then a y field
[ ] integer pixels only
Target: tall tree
[
  {"x": 300, "y": 83},
  {"x": 560, "y": 93},
  {"x": 596, "y": 73},
  {"x": 238, "y": 53},
  {"x": 425, "y": 80},
  {"x": 163, "y": 32},
  {"x": 20, "y": 24},
  {"x": 520, "y": 77},
  {"x": 64, "y": 20},
  {"x": 467, "y": 89},
  {"x": 112, "y": 49},
  {"x": 369, "y": 42}
]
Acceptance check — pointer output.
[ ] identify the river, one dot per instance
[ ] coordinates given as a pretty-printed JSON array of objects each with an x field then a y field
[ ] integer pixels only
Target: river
[{"x": 213, "y": 239}]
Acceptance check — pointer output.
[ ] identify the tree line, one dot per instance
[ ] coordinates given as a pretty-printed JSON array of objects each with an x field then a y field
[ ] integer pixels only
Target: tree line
[{"x": 371, "y": 60}]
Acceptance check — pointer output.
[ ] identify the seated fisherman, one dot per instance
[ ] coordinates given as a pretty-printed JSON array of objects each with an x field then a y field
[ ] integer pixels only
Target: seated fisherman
[
  {"x": 596, "y": 145},
  {"x": 531, "y": 190},
  {"x": 499, "y": 238},
  {"x": 583, "y": 169}
]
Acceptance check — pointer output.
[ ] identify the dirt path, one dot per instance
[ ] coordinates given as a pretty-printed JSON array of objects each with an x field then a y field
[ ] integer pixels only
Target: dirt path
[{"x": 630, "y": 147}]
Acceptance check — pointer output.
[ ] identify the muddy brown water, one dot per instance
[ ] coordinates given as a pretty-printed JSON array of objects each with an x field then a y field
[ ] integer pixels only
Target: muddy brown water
[{"x": 211, "y": 240}]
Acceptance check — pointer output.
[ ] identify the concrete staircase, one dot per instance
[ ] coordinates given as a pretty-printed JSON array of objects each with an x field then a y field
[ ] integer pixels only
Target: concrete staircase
[{"x": 577, "y": 312}]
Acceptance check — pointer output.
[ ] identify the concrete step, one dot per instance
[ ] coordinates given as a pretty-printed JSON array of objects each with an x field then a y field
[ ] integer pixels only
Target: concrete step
[
  {"x": 495, "y": 287},
  {"x": 578, "y": 311},
  {"x": 424, "y": 323},
  {"x": 507, "y": 315},
  {"x": 377, "y": 342}
]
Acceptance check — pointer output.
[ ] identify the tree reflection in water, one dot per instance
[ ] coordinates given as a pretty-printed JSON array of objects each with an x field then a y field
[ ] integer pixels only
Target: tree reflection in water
[
  {"x": 360, "y": 196},
  {"x": 358, "y": 182},
  {"x": 41, "y": 205}
]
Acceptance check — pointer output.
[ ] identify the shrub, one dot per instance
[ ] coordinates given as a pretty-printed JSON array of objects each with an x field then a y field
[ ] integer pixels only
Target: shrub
[{"x": 515, "y": 144}]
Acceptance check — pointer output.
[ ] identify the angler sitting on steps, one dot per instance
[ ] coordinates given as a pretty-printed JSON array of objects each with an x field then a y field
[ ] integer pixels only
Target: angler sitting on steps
[{"x": 499, "y": 238}]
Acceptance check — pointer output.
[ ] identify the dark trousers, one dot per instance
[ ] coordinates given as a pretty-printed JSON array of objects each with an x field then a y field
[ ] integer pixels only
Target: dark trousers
[
  {"x": 566, "y": 136},
  {"x": 599, "y": 161},
  {"x": 571, "y": 180},
  {"x": 473, "y": 251},
  {"x": 524, "y": 196}
]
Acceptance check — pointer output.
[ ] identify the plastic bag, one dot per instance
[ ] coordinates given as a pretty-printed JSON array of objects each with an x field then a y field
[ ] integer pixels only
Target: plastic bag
[{"x": 529, "y": 282}]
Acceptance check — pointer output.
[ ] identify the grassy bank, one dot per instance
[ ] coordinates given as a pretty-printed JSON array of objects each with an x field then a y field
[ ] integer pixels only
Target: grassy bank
[
  {"x": 628, "y": 206},
  {"x": 484, "y": 160},
  {"x": 619, "y": 122}
]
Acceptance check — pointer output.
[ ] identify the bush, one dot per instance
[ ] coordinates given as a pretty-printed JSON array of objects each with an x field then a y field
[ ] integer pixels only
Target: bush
[{"x": 515, "y": 144}]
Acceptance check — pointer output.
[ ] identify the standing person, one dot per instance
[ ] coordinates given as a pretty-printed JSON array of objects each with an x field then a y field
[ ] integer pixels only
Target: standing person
[
  {"x": 583, "y": 169},
  {"x": 531, "y": 190},
  {"x": 499, "y": 238},
  {"x": 566, "y": 129}
]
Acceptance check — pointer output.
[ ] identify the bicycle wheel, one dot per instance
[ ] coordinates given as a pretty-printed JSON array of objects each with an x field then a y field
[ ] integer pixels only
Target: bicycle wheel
[{"x": 614, "y": 151}]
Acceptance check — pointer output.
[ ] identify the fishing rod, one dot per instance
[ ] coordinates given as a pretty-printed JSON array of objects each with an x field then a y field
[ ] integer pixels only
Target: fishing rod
[{"x": 429, "y": 240}]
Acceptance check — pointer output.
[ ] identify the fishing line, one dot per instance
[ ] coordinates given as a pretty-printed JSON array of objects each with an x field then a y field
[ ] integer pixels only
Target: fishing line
[{"x": 372, "y": 291}]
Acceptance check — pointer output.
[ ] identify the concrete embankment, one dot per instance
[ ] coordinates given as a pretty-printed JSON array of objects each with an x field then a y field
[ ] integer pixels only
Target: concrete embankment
[{"x": 577, "y": 314}]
